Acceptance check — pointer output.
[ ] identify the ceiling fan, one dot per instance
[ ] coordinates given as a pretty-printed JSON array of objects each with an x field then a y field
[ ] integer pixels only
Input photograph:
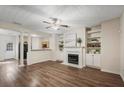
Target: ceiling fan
[{"x": 55, "y": 23}]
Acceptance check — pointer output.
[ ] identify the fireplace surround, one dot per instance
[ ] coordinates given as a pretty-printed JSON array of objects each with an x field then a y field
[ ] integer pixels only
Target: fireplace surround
[{"x": 73, "y": 57}]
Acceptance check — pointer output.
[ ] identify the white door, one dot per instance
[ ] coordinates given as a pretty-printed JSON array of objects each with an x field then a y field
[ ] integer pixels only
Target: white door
[
  {"x": 89, "y": 59},
  {"x": 10, "y": 49},
  {"x": 97, "y": 60}
]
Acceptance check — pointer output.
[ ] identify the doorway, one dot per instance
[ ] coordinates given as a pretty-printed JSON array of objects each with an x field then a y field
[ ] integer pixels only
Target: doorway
[
  {"x": 8, "y": 44},
  {"x": 25, "y": 50}
]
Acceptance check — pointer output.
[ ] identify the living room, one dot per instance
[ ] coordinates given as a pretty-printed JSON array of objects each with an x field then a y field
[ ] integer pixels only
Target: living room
[{"x": 63, "y": 47}]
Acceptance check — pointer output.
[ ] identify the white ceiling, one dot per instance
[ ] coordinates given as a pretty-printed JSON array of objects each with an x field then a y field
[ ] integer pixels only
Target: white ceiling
[
  {"x": 8, "y": 32},
  {"x": 31, "y": 16}
]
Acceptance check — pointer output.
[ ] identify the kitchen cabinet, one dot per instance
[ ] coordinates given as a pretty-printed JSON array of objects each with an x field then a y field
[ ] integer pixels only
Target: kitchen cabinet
[{"x": 93, "y": 60}]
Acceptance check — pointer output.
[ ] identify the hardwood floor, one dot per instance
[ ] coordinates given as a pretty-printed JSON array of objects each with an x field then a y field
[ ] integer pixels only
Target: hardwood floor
[{"x": 53, "y": 74}]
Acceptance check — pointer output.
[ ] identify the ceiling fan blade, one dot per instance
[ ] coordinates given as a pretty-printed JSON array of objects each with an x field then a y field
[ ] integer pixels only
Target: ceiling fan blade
[
  {"x": 64, "y": 26},
  {"x": 48, "y": 27},
  {"x": 46, "y": 22},
  {"x": 54, "y": 19}
]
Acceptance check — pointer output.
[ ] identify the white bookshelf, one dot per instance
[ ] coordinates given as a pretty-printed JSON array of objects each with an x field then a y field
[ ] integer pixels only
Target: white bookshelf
[
  {"x": 60, "y": 40},
  {"x": 93, "y": 41},
  {"x": 93, "y": 49}
]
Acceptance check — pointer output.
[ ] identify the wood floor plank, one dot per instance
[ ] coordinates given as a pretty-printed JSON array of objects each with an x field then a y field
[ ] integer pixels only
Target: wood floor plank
[{"x": 55, "y": 74}]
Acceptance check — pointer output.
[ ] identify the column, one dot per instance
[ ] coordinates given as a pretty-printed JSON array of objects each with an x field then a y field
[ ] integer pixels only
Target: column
[
  {"x": 29, "y": 42},
  {"x": 29, "y": 49},
  {"x": 53, "y": 46},
  {"x": 17, "y": 47},
  {"x": 21, "y": 49}
]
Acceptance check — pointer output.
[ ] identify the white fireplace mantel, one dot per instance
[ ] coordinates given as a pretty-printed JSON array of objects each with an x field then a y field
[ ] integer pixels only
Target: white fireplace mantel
[{"x": 74, "y": 50}]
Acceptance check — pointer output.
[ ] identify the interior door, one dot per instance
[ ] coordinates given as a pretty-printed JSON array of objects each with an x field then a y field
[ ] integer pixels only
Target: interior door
[
  {"x": 10, "y": 50},
  {"x": 25, "y": 50}
]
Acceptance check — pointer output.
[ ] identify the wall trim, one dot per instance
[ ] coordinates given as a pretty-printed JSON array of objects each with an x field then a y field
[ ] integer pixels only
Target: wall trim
[
  {"x": 41, "y": 62},
  {"x": 110, "y": 71},
  {"x": 122, "y": 76},
  {"x": 22, "y": 65}
]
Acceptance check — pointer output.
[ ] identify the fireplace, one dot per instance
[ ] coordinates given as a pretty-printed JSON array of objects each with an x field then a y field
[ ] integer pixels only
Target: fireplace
[{"x": 73, "y": 58}]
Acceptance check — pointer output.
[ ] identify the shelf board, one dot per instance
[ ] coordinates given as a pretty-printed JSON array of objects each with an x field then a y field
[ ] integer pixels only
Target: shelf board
[
  {"x": 93, "y": 42},
  {"x": 93, "y": 37},
  {"x": 93, "y": 47},
  {"x": 93, "y": 32}
]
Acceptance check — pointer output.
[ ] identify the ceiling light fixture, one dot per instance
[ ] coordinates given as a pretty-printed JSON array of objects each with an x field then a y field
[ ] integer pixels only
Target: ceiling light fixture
[
  {"x": 34, "y": 35},
  {"x": 55, "y": 27}
]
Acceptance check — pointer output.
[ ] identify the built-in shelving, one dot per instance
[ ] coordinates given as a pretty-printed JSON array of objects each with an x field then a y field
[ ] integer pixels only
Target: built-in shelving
[
  {"x": 93, "y": 49},
  {"x": 60, "y": 42},
  {"x": 93, "y": 39},
  {"x": 91, "y": 32}
]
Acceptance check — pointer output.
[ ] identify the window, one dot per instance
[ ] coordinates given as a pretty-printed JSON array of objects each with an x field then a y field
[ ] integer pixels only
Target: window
[{"x": 9, "y": 47}]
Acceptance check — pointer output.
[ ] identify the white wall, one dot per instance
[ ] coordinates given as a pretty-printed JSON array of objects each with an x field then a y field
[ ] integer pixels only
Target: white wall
[
  {"x": 39, "y": 56},
  {"x": 54, "y": 44},
  {"x": 2, "y": 48},
  {"x": 122, "y": 46},
  {"x": 10, "y": 54},
  {"x": 80, "y": 34},
  {"x": 36, "y": 43},
  {"x": 110, "y": 48},
  {"x": 36, "y": 55},
  {"x": 4, "y": 39}
]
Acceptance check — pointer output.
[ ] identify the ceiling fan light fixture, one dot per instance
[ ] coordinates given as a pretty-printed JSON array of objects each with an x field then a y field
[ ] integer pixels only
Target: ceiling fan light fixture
[
  {"x": 55, "y": 27},
  {"x": 55, "y": 23}
]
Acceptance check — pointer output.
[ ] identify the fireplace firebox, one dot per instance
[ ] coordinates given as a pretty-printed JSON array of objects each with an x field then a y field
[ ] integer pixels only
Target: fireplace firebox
[{"x": 73, "y": 58}]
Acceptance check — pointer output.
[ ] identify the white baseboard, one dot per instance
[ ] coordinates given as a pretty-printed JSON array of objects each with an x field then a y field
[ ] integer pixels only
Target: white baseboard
[
  {"x": 72, "y": 65},
  {"x": 21, "y": 65},
  {"x": 110, "y": 71},
  {"x": 122, "y": 76}
]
